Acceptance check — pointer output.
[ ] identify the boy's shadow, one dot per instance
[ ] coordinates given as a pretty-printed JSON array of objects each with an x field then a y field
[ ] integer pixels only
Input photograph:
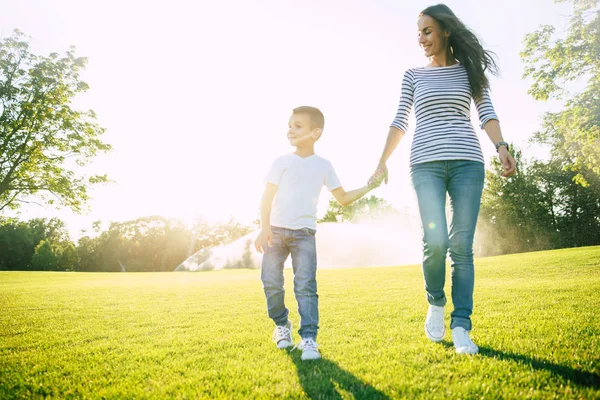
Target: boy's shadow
[
  {"x": 578, "y": 377},
  {"x": 323, "y": 379}
]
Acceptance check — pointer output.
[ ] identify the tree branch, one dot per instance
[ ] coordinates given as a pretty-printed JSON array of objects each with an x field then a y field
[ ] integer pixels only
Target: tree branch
[
  {"x": 10, "y": 200},
  {"x": 7, "y": 178},
  {"x": 28, "y": 202}
]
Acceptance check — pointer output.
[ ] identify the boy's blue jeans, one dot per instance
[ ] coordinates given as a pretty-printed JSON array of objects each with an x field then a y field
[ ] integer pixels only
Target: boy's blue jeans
[
  {"x": 463, "y": 181},
  {"x": 301, "y": 245}
]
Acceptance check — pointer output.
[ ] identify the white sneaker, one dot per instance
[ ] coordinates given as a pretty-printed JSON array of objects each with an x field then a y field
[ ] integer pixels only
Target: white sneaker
[
  {"x": 282, "y": 335},
  {"x": 434, "y": 324},
  {"x": 309, "y": 349},
  {"x": 462, "y": 342}
]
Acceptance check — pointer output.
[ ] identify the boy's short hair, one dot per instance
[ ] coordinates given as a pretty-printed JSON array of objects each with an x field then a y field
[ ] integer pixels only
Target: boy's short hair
[{"x": 316, "y": 116}]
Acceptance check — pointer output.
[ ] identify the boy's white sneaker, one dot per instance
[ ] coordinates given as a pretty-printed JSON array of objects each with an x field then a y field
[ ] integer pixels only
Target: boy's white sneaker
[
  {"x": 434, "y": 324},
  {"x": 282, "y": 335},
  {"x": 462, "y": 342},
  {"x": 309, "y": 349}
]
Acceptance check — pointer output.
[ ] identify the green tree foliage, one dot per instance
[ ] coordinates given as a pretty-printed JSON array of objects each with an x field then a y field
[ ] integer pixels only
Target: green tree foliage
[
  {"x": 541, "y": 207},
  {"x": 44, "y": 258},
  {"x": 145, "y": 244},
  {"x": 17, "y": 245},
  {"x": 371, "y": 207},
  {"x": 52, "y": 229},
  {"x": 69, "y": 258},
  {"x": 574, "y": 132},
  {"x": 44, "y": 142},
  {"x": 87, "y": 250},
  {"x": 208, "y": 235},
  {"x": 18, "y": 240},
  {"x": 152, "y": 244}
]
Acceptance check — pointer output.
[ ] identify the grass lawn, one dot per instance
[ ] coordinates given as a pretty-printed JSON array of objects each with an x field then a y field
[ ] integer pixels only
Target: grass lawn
[{"x": 207, "y": 335}]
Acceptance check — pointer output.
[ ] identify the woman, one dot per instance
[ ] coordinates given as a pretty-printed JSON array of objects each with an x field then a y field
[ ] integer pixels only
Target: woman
[{"x": 446, "y": 158}]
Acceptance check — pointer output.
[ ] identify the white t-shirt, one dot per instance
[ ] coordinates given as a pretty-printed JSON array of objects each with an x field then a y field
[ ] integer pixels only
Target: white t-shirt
[{"x": 299, "y": 181}]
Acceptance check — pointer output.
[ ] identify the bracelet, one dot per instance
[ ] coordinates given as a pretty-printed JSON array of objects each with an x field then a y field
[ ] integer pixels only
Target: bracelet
[{"x": 501, "y": 144}]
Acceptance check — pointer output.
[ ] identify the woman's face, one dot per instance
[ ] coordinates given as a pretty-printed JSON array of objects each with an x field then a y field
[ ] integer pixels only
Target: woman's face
[{"x": 431, "y": 37}]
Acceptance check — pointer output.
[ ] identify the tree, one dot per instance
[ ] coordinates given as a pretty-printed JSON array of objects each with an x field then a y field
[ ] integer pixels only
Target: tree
[
  {"x": 43, "y": 140},
  {"x": 514, "y": 215},
  {"x": 44, "y": 258},
  {"x": 539, "y": 208},
  {"x": 16, "y": 245},
  {"x": 19, "y": 239},
  {"x": 69, "y": 259},
  {"x": 366, "y": 207},
  {"x": 152, "y": 244},
  {"x": 87, "y": 250},
  {"x": 574, "y": 132},
  {"x": 575, "y": 208},
  {"x": 53, "y": 229},
  {"x": 208, "y": 235}
]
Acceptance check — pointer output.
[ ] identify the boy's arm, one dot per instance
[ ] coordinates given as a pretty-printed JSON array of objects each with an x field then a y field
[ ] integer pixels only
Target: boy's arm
[
  {"x": 346, "y": 198},
  {"x": 265, "y": 235}
]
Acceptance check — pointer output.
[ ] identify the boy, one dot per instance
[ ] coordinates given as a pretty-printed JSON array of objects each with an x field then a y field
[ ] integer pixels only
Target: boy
[{"x": 288, "y": 226}]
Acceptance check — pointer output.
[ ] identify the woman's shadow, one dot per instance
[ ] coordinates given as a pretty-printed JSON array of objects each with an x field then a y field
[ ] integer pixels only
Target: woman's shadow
[
  {"x": 324, "y": 379},
  {"x": 577, "y": 376}
]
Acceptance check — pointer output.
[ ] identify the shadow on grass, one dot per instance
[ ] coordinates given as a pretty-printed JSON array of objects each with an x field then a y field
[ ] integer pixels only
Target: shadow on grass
[
  {"x": 578, "y": 377},
  {"x": 324, "y": 379}
]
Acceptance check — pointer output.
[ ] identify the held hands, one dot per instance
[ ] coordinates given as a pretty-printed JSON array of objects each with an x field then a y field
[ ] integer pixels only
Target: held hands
[
  {"x": 508, "y": 162},
  {"x": 375, "y": 180},
  {"x": 263, "y": 239},
  {"x": 380, "y": 175}
]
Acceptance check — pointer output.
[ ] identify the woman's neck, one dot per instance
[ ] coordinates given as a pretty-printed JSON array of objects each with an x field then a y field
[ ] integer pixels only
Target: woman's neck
[{"x": 442, "y": 60}]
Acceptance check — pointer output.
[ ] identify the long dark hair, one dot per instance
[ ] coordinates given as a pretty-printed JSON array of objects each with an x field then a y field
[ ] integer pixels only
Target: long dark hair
[{"x": 465, "y": 47}]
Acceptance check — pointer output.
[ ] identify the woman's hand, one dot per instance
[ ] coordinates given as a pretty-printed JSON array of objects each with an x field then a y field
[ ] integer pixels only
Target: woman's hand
[
  {"x": 376, "y": 180},
  {"x": 380, "y": 171},
  {"x": 507, "y": 161}
]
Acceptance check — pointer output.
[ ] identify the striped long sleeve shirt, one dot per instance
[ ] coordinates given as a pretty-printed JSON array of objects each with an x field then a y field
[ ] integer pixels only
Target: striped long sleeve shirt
[{"x": 442, "y": 101}]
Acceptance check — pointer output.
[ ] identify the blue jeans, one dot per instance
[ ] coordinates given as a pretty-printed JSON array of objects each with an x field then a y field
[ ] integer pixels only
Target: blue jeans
[
  {"x": 301, "y": 245},
  {"x": 463, "y": 181}
]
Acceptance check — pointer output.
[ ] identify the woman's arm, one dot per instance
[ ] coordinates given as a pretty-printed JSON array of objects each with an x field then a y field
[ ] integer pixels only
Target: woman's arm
[
  {"x": 489, "y": 122},
  {"x": 393, "y": 138},
  {"x": 492, "y": 128},
  {"x": 399, "y": 125}
]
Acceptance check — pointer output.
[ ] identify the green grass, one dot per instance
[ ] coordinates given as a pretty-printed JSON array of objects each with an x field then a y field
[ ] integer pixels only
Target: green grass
[{"x": 207, "y": 335}]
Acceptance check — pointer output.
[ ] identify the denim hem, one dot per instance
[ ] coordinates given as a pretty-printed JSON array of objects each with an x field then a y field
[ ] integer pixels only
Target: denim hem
[{"x": 461, "y": 322}]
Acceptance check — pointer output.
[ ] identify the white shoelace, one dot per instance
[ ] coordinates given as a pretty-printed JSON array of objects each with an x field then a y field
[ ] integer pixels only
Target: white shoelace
[
  {"x": 281, "y": 332},
  {"x": 436, "y": 318},
  {"x": 306, "y": 344}
]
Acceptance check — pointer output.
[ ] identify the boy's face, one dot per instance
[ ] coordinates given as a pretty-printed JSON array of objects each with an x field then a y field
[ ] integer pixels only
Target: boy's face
[{"x": 301, "y": 131}]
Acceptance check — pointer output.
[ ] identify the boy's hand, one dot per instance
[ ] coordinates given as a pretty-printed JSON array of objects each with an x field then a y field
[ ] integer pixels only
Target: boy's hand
[
  {"x": 376, "y": 180},
  {"x": 264, "y": 237},
  {"x": 380, "y": 174}
]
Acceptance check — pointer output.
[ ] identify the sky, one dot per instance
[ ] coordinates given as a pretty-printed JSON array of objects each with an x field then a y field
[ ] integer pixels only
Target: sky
[{"x": 195, "y": 96}]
